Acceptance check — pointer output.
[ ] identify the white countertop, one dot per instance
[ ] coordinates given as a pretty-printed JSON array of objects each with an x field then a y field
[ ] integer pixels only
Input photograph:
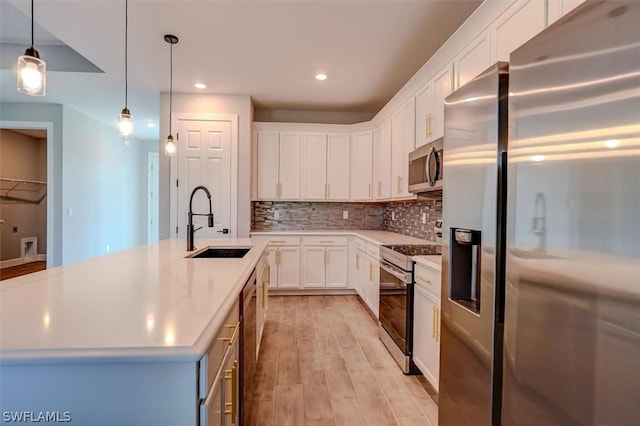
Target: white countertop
[
  {"x": 373, "y": 236},
  {"x": 149, "y": 301},
  {"x": 431, "y": 261}
]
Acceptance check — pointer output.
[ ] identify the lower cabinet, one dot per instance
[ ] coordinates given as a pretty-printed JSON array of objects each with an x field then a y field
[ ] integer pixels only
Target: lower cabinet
[
  {"x": 426, "y": 333},
  {"x": 324, "y": 267},
  {"x": 262, "y": 299},
  {"x": 284, "y": 262},
  {"x": 368, "y": 281}
]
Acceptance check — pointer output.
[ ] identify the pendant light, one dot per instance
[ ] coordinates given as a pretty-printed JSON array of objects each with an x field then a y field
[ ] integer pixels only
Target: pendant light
[
  {"x": 170, "y": 146},
  {"x": 32, "y": 71},
  {"x": 125, "y": 120}
]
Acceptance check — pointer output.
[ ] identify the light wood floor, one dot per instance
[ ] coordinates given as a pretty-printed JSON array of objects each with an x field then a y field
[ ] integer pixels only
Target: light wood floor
[
  {"x": 321, "y": 363},
  {"x": 27, "y": 268}
]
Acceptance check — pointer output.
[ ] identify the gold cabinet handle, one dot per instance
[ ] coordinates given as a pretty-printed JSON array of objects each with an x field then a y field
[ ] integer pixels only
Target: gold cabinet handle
[
  {"x": 399, "y": 189},
  {"x": 228, "y": 406},
  {"x": 426, "y": 127},
  {"x": 437, "y": 323},
  {"x": 370, "y": 194},
  {"x": 379, "y": 188},
  {"x": 278, "y": 257},
  {"x": 370, "y": 271},
  {"x": 357, "y": 260},
  {"x": 430, "y": 129},
  {"x": 234, "y": 391},
  {"x": 328, "y": 191},
  {"x": 325, "y": 190},
  {"x": 264, "y": 290},
  {"x": 423, "y": 278},
  {"x": 433, "y": 326}
]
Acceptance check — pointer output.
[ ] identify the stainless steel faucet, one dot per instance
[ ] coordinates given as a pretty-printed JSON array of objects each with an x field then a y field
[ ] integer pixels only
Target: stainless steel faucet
[{"x": 190, "y": 228}]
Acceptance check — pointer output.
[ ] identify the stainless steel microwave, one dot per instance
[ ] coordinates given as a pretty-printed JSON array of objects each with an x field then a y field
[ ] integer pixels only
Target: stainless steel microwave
[{"x": 425, "y": 168}]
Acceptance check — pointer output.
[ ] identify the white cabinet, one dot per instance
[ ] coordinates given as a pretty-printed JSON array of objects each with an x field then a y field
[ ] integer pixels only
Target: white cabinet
[
  {"x": 262, "y": 299},
  {"x": 382, "y": 161},
  {"x": 278, "y": 165},
  {"x": 473, "y": 59},
  {"x": 402, "y": 143},
  {"x": 373, "y": 285},
  {"x": 284, "y": 266},
  {"x": 325, "y": 166},
  {"x": 426, "y": 334},
  {"x": 324, "y": 262},
  {"x": 362, "y": 166},
  {"x": 430, "y": 106},
  {"x": 556, "y": 9},
  {"x": 523, "y": 20}
]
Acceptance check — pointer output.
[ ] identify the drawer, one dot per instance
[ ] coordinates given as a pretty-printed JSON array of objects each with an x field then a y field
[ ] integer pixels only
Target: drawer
[
  {"x": 325, "y": 241},
  {"x": 428, "y": 279},
  {"x": 373, "y": 250},
  {"x": 281, "y": 240},
  {"x": 360, "y": 244},
  {"x": 210, "y": 363}
]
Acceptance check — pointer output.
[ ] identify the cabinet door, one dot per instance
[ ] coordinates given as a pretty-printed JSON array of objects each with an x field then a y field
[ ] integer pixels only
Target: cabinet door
[
  {"x": 267, "y": 148},
  {"x": 313, "y": 266},
  {"x": 362, "y": 166},
  {"x": 424, "y": 111},
  {"x": 397, "y": 153},
  {"x": 473, "y": 59},
  {"x": 426, "y": 346},
  {"x": 363, "y": 277},
  {"x": 409, "y": 136},
  {"x": 289, "y": 165},
  {"x": 516, "y": 26},
  {"x": 212, "y": 410},
  {"x": 382, "y": 161},
  {"x": 314, "y": 166},
  {"x": 374, "y": 287},
  {"x": 288, "y": 267},
  {"x": 338, "y": 156},
  {"x": 272, "y": 257},
  {"x": 336, "y": 267},
  {"x": 231, "y": 387},
  {"x": 442, "y": 87},
  {"x": 558, "y": 8}
]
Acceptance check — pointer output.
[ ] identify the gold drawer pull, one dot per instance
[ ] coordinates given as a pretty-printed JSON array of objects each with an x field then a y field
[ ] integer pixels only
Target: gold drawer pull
[{"x": 425, "y": 279}]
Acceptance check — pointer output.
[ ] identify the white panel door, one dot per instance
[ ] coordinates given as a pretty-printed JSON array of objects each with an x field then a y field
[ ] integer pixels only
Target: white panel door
[
  {"x": 267, "y": 148},
  {"x": 288, "y": 259},
  {"x": 336, "y": 267},
  {"x": 362, "y": 166},
  {"x": 338, "y": 157},
  {"x": 289, "y": 163},
  {"x": 516, "y": 26},
  {"x": 409, "y": 135},
  {"x": 313, "y": 266},
  {"x": 426, "y": 346},
  {"x": 314, "y": 166},
  {"x": 397, "y": 153},
  {"x": 424, "y": 113},
  {"x": 204, "y": 158},
  {"x": 442, "y": 87},
  {"x": 382, "y": 161},
  {"x": 473, "y": 59}
]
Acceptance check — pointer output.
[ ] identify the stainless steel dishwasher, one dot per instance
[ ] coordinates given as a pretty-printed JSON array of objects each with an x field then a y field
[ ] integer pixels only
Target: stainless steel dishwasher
[{"x": 247, "y": 344}]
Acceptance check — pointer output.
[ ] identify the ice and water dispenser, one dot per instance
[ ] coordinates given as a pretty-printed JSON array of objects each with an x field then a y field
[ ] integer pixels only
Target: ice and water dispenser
[{"x": 464, "y": 270}]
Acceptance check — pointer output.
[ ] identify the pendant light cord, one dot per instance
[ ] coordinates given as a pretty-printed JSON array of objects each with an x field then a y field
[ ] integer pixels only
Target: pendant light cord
[
  {"x": 170, "y": 84},
  {"x": 32, "y": 24},
  {"x": 126, "y": 51}
]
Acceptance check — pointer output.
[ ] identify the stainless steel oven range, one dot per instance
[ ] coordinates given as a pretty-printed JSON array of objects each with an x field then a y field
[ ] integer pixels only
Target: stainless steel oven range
[{"x": 396, "y": 300}]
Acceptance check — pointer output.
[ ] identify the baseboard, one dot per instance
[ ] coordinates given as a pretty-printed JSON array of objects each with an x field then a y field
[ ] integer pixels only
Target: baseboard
[
  {"x": 20, "y": 261},
  {"x": 311, "y": 292}
]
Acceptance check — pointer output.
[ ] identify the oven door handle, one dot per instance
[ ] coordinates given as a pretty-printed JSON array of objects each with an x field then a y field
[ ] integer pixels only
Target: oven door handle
[{"x": 398, "y": 275}]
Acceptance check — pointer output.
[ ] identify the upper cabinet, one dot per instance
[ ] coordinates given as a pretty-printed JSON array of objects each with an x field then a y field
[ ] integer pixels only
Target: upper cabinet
[
  {"x": 278, "y": 165},
  {"x": 382, "y": 161},
  {"x": 473, "y": 59},
  {"x": 523, "y": 20},
  {"x": 325, "y": 166},
  {"x": 402, "y": 143},
  {"x": 556, "y": 9},
  {"x": 362, "y": 166},
  {"x": 430, "y": 106}
]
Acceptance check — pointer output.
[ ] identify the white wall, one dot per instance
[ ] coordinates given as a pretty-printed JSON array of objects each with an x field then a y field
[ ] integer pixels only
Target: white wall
[
  {"x": 101, "y": 185},
  {"x": 209, "y": 104}
]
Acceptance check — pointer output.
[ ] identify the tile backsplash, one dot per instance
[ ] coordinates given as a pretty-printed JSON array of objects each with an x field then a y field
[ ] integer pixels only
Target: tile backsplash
[
  {"x": 406, "y": 218},
  {"x": 402, "y": 217},
  {"x": 311, "y": 215}
]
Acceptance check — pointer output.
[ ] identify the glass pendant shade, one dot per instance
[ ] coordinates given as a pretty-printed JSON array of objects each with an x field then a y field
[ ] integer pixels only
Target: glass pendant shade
[
  {"x": 125, "y": 123},
  {"x": 32, "y": 74},
  {"x": 170, "y": 147}
]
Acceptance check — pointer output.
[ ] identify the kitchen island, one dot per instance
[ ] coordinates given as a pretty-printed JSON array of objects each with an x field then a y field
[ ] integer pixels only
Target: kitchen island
[{"x": 117, "y": 339}]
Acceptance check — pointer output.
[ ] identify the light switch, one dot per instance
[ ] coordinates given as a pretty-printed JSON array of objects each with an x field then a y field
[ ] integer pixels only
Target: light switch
[
  {"x": 276, "y": 214},
  {"x": 345, "y": 214},
  {"x": 69, "y": 212},
  {"x": 393, "y": 215},
  {"x": 424, "y": 218}
]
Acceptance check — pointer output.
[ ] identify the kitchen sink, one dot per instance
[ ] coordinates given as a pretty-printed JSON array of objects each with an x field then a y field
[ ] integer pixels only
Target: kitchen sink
[{"x": 221, "y": 252}]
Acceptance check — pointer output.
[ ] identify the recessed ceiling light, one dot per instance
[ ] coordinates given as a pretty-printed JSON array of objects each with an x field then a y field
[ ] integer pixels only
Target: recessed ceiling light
[
  {"x": 151, "y": 124},
  {"x": 200, "y": 86},
  {"x": 612, "y": 143},
  {"x": 321, "y": 77}
]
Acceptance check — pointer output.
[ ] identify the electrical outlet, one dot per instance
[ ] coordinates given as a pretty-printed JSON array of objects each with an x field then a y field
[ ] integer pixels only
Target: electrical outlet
[
  {"x": 14, "y": 229},
  {"x": 69, "y": 212},
  {"x": 424, "y": 218},
  {"x": 393, "y": 215},
  {"x": 345, "y": 214},
  {"x": 276, "y": 215}
]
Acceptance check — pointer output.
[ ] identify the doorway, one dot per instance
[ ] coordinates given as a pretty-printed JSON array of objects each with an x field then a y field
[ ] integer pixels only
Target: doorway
[{"x": 24, "y": 210}]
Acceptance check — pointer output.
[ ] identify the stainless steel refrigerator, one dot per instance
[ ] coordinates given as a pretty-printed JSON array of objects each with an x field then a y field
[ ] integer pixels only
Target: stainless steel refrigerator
[{"x": 541, "y": 305}]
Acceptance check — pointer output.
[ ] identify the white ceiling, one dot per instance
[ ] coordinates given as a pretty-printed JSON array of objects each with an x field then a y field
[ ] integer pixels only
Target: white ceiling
[{"x": 268, "y": 49}]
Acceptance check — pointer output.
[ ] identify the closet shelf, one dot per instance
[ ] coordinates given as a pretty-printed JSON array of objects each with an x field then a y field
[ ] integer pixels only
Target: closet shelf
[{"x": 22, "y": 191}]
